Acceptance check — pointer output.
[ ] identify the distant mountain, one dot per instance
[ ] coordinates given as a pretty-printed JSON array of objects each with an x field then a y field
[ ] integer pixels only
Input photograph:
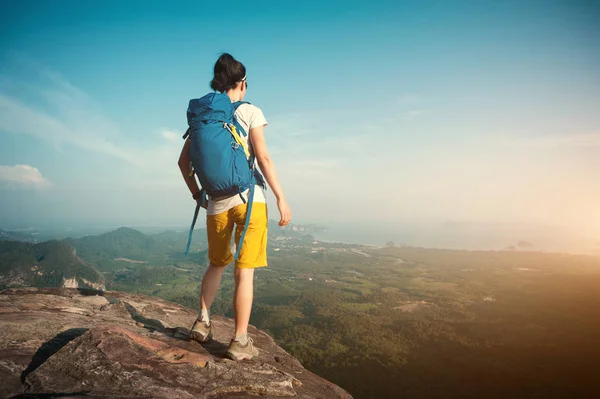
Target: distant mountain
[
  {"x": 48, "y": 264},
  {"x": 177, "y": 239},
  {"x": 121, "y": 243},
  {"x": 294, "y": 230},
  {"x": 524, "y": 245},
  {"x": 305, "y": 228},
  {"x": 126, "y": 247}
]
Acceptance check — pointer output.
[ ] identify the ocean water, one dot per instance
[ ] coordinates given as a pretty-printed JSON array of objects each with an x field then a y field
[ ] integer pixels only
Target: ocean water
[{"x": 470, "y": 236}]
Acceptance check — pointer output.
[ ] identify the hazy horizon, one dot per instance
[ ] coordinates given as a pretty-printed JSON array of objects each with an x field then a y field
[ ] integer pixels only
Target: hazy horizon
[{"x": 449, "y": 235}]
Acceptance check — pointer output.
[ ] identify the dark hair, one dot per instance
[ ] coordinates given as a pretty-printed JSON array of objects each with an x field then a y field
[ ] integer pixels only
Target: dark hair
[{"x": 228, "y": 72}]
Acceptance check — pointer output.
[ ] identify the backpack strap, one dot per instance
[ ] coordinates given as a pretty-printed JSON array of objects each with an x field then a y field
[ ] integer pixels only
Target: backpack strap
[
  {"x": 203, "y": 204},
  {"x": 187, "y": 248},
  {"x": 237, "y": 137},
  {"x": 236, "y": 105},
  {"x": 247, "y": 222}
]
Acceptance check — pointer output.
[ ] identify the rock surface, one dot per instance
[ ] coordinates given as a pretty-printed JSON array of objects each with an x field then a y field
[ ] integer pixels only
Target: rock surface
[{"x": 61, "y": 342}]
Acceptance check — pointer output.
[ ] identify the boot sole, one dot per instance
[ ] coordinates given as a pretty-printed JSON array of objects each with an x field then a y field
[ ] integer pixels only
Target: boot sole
[
  {"x": 196, "y": 336},
  {"x": 239, "y": 357}
]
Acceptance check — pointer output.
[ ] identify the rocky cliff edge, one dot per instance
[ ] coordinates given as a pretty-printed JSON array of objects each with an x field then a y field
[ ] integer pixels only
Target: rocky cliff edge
[{"x": 64, "y": 342}]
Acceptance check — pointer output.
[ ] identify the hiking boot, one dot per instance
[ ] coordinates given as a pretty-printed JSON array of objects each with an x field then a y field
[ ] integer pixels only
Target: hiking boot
[
  {"x": 201, "y": 332},
  {"x": 237, "y": 351}
]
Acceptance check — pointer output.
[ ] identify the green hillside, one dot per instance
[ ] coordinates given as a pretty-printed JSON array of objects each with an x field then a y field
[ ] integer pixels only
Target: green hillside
[
  {"x": 126, "y": 247},
  {"x": 129, "y": 248},
  {"x": 46, "y": 264},
  {"x": 123, "y": 242}
]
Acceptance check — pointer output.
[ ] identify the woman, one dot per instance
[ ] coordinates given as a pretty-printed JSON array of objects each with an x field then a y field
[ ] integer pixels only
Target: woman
[{"x": 223, "y": 214}]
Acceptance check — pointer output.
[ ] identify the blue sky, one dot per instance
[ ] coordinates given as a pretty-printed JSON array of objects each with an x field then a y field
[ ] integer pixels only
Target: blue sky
[{"x": 379, "y": 112}]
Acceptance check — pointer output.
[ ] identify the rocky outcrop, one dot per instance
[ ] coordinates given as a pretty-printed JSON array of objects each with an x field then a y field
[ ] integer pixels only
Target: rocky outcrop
[
  {"x": 59, "y": 342},
  {"x": 70, "y": 283},
  {"x": 73, "y": 283}
]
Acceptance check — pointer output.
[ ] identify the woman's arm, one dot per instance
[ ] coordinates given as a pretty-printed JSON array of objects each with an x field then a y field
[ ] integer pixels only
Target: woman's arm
[
  {"x": 186, "y": 169},
  {"x": 259, "y": 145}
]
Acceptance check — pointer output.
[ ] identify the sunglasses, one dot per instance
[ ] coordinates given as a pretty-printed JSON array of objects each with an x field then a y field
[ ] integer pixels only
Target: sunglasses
[{"x": 245, "y": 81}]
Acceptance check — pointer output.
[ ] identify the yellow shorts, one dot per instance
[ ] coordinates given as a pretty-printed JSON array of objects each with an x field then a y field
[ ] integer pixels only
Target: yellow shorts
[{"x": 254, "y": 249}]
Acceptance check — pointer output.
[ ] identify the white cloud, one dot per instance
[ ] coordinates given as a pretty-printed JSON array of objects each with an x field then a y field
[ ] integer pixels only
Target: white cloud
[
  {"x": 17, "y": 117},
  {"x": 23, "y": 176},
  {"x": 170, "y": 135},
  {"x": 67, "y": 116}
]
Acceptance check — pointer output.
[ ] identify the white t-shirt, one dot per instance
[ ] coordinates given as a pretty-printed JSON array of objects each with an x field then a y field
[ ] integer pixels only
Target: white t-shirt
[{"x": 249, "y": 116}]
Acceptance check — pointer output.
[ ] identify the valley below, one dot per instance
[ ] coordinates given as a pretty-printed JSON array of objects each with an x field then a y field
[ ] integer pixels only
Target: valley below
[{"x": 385, "y": 322}]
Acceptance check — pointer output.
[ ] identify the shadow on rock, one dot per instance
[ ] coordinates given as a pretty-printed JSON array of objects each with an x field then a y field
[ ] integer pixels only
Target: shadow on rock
[
  {"x": 213, "y": 347},
  {"x": 90, "y": 292},
  {"x": 49, "y": 348},
  {"x": 150, "y": 324}
]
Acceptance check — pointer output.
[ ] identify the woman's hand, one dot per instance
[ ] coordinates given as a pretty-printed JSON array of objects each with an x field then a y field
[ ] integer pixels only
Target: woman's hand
[
  {"x": 284, "y": 211},
  {"x": 202, "y": 205}
]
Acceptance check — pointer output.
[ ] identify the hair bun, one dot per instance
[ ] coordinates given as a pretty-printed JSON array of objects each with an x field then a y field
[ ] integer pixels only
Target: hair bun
[{"x": 227, "y": 73}]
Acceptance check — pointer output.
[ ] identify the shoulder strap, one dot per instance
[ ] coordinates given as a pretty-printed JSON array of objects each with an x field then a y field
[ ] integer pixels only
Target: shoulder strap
[
  {"x": 237, "y": 138},
  {"x": 237, "y": 104}
]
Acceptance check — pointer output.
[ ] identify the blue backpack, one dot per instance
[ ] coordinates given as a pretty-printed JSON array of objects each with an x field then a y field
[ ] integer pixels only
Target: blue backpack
[{"x": 220, "y": 158}]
